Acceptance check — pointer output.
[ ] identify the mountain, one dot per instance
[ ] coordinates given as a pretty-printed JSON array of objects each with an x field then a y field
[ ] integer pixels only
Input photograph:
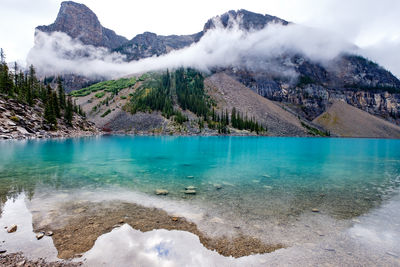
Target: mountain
[
  {"x": 149, "y": 44},
  {"x": 79, "y": 22},
  {"x": 310, "y": 91},
  {"x": 246, "y": 20}
]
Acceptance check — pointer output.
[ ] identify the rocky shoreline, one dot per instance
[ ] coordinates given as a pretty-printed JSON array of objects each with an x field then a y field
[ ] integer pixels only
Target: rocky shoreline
[
  {"x": 21, "y": 121},
  {"x": 19, "y": 260}
]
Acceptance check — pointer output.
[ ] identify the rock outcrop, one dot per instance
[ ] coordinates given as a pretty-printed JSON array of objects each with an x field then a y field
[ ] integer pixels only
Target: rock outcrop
[
  {"x": 79, "y": 22},
  {"x": 149, "y": 44},
  {"x": 246, "y": 20},
  {"x": 20, "y": 121}
]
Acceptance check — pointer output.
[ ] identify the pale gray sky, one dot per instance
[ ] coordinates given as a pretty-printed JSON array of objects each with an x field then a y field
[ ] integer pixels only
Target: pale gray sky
[{"x": 370, "y": 24}]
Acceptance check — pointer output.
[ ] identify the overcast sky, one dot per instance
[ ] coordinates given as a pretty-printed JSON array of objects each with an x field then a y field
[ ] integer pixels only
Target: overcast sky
[{"x": 371, "y": 24}]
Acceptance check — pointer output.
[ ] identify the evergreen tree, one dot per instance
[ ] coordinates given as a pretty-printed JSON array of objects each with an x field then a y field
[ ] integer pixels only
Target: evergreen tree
[
  {"x": 49, "y": 112},
  {"x": 61, "y": 92},
  {"x": 56, "y": 106},
  {"x": 69, "y": 110}
]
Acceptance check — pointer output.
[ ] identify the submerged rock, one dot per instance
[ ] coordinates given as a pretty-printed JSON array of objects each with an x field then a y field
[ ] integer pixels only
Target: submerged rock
[
  {"x": 315, "y": 210},
  {"x": 190, "y": 192},
  {"x": 218, "y": 186},
  {"x": 190, "y": 187},
  {"x": 12, "y": 228},
  {"x": 162, "y": 192}
]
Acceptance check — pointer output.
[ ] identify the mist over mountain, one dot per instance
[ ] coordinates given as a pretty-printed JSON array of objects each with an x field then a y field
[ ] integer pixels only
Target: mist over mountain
[{"x": 277, "y": 59}]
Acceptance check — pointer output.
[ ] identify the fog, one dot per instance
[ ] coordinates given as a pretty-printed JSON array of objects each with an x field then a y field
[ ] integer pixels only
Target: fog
[{"x": 57, "y": 53}]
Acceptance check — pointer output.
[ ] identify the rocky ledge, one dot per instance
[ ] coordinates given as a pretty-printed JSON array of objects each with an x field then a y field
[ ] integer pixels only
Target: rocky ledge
[{"x": 21, "y": 121}]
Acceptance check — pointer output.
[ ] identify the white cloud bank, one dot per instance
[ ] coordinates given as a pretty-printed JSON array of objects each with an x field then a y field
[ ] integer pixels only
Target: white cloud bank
[{"x": 58, "y": 53}]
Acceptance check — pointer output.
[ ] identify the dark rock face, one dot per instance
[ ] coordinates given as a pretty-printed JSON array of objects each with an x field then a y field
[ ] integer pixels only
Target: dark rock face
[
  {"x": 79, "y": 22},
  {"x": 356, "y": 80},
  {"x": 247, "y": 20},
  {"x": 149, "y": 44}
]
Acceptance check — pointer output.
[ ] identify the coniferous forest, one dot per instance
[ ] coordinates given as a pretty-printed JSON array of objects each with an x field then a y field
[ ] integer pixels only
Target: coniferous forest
[
  {"x": 185, "y": 88},
  {"x": 25, "y": 87}
]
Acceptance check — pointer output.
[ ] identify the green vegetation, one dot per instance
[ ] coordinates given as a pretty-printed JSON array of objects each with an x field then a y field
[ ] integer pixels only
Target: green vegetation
[
  {"x": 123, "y": 97},
  {"x": 315, "y": 131},
  {"x": 113, "y": 86},
  {"x": 190, "y": 92},
  {"x": 100, "y": 94},
  {"x": 108, "y": 111},
  {"x": 26, "y": 88},
  {"x": 153, "y": 94},
  {"x": 186, "y": 86},
  {"x": 304, "y": 80}
]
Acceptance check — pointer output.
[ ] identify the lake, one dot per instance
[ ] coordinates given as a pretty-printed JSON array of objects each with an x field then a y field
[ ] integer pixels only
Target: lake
[{"x": 282, "y": 190}]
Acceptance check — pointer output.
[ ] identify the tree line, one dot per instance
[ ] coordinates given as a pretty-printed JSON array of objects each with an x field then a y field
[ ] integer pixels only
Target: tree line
[
  {"x": 157, "y": 94},
  {"x": 25, "y": 87}
]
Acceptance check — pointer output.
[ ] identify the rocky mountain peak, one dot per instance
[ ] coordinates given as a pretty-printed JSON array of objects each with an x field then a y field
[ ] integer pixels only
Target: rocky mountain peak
[
  {"x": 247, "y": 20},
  {"x": 79, "y": 22}
]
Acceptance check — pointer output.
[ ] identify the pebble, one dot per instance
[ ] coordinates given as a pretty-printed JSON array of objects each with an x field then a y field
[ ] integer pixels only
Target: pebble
[
  {"x": 39, "y": 235},
  {"x": 79, "y": 210},
  {"x": 49, "y": 233},
  {"x": 190, "y": 176},
  {"x": 12, "y": 228},
  {"x": 190, "y": 187},
  {"x": 320, "y": 234},
  {"x": 315, "y": 210},
  {"x": 190, "y": 192},
  {"x": 218, "y": 187},
  {"x": 162, "y": 192},
  {"x": 175, "y": 219},
  {"x": 21, "y": 263}
]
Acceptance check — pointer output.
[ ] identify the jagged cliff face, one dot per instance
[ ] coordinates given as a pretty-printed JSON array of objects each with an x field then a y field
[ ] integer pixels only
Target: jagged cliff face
[
  {"x": 149, "y": 44},
  {"x": 357, "y": 81},
  {"x": 246, "y": 20},
  {"x": 79, "y": 22},
  {"x": 312, "y": 87}
]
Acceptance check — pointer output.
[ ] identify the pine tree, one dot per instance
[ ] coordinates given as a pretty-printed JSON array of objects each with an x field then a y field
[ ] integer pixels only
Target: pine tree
[
  {"x": 49, "y": 113},
  {"x": 61, "y": 93},
  {"x": 69, "y": 110},
  {"x": 56, "y": 106}
]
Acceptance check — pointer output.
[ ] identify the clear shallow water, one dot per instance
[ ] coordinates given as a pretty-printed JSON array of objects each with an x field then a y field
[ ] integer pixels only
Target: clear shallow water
[{"x": 265, "y": 181}]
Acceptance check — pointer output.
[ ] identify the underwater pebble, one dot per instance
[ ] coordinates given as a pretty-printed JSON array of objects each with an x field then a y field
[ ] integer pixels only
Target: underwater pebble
[
  {"x": 161, "y": 192},
  {"x": 190, "y": 187}
]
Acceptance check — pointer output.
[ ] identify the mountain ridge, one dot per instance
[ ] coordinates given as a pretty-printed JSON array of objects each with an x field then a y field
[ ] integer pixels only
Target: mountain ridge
[{"x": 348, "y": 77}]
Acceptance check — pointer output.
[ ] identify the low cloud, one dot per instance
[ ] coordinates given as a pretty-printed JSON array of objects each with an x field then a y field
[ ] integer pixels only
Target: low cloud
[{"x": 263, "y": 50}]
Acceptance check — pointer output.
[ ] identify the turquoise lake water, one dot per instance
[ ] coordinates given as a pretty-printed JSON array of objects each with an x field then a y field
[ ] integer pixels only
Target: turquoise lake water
[{"x": 261, "y": 178}]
